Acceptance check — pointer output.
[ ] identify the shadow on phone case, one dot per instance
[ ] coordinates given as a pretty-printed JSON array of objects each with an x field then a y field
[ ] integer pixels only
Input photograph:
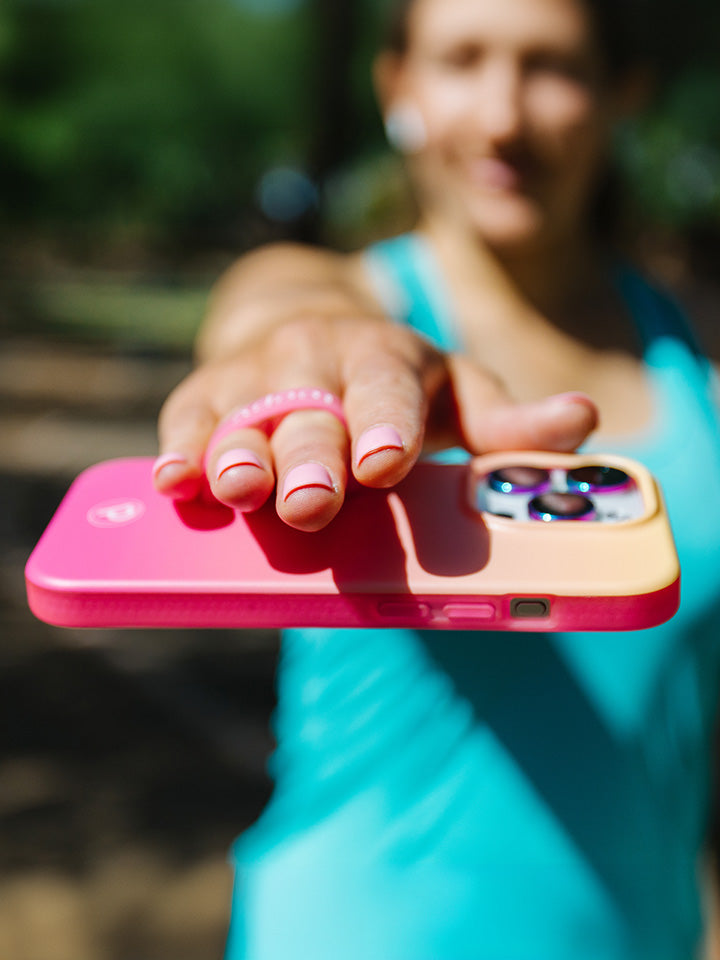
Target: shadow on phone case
[
  {"x": 204, "y": 515},
  {"x": 377, "y": 532},
  {"x": 449, "y": 519}
]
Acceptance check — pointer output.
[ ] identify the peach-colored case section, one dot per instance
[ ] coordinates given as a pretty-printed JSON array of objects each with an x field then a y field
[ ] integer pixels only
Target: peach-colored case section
[{"x": 117, "y": 554}]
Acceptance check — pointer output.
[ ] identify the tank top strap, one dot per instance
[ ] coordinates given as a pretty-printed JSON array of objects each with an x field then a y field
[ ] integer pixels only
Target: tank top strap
[
  {"x": 668, "y": 337},
  {"x": 656, "y": 313},
  {"x": 412, "y": 290}
]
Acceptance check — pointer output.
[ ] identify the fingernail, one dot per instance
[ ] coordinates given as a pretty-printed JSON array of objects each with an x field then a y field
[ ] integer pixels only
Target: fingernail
[
  {"x": 176, "y": 459},
  {"x": 376, "y": 439},
  {"x": 306, "y": 475},
  {"x": 574, "y": 396},
  {"x": 238, "y": 457},
  {"x": 185, "y": 489}
]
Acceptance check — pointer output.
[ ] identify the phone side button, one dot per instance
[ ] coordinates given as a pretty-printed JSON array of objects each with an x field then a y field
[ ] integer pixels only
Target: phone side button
[
  {"x": 398, "y": 609},
  {"x": 468, "y": 612}
]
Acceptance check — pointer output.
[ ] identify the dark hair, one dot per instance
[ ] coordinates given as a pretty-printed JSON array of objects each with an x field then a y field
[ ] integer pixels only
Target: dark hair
[
  {"x": 396, "y": 26},
  {"x": 621, "y": 27}
]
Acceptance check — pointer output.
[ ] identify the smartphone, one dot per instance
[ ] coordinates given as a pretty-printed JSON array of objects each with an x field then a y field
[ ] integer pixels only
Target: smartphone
[{"x": 509, "y": 541}]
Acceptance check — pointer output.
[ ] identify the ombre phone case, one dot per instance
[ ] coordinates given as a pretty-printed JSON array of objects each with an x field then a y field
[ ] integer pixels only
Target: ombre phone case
[{"x": 509, "y": 541}]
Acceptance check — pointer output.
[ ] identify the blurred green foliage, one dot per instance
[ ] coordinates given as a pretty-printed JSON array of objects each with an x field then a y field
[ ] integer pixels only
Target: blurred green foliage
[
  {"x": 152, "y": 121},
  {"x": 95, "y": 309},
  {"x": 672, "y": 152},
  {"x": 143, "y": 115}
]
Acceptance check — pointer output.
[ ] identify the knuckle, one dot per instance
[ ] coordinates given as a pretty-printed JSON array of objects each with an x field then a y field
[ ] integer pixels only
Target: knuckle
[
  {"x": 297, "y": 336},
  {"x": 198, "y": 419},
  {"x": 384, "y": 378},
  {"x": 393, "y": 346},
  {"x": 185, "y": 416},
  {"x": 308, "y": 441},
  {"x": 481, "y": 379}
]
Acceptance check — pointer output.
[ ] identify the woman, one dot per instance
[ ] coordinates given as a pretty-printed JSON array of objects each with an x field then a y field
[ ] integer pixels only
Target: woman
[{"x": 459, "y": 796}]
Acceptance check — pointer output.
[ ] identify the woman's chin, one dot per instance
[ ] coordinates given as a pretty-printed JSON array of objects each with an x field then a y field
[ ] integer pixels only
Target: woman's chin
[{"x": 508, "y": 229}]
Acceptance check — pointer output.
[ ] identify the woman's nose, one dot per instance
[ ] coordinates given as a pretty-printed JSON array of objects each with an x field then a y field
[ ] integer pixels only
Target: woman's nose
[{"x": 498, "y": 109}]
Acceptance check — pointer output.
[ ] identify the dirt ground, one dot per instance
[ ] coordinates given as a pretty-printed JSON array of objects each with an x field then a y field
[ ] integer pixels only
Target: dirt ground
[{"x": 129, "y": 760}]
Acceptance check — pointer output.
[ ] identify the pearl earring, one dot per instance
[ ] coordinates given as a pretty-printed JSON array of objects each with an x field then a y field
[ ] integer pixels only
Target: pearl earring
[{"x": 405, "y": 127}]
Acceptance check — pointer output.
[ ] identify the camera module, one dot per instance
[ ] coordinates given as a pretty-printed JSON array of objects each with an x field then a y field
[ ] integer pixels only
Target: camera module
[
  {"x": 561, "y": 506},
  {"x": 519, "y": 479},
  {"x": 598, "y": 479}
]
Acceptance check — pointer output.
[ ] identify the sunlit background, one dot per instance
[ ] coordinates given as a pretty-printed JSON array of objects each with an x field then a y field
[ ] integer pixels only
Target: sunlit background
[{"x": 143, "y": 145}]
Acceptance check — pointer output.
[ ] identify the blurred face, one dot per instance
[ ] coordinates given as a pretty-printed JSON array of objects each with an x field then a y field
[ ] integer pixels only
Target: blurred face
[{"x": 515, "y": 114}]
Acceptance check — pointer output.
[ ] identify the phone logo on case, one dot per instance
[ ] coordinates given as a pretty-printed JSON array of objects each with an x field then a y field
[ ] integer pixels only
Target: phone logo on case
[{"x": 115, "y": 513}]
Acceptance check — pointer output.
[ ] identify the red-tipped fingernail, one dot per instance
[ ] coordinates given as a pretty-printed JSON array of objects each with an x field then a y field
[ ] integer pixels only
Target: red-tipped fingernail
[
  {"x": 306, "y": 475},
  {"x": 238, "y": 457},
  {"x": 172, "y": 466},
  {"x": 573, "y": 396},
  {"x": 169, "y": 459},
  {"x": 376, "y": 439}
]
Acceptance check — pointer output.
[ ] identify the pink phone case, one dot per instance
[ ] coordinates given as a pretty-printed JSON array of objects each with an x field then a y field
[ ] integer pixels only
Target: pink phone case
[{"x": 117, "y": 554}]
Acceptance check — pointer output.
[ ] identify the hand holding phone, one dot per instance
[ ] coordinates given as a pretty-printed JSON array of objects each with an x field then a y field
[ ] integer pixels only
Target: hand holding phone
[{"x": 509, "y": 541}]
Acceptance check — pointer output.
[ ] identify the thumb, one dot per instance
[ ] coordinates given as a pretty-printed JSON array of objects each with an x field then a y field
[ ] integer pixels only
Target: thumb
[{"x": 490, "y": 420}]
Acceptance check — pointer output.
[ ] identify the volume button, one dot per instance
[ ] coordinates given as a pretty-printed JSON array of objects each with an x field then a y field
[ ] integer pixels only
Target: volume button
[{"x": 469, "y": 612}]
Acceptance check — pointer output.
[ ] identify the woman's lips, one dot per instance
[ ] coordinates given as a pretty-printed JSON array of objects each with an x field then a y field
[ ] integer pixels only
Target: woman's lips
[{"x": 496, "y": 175}]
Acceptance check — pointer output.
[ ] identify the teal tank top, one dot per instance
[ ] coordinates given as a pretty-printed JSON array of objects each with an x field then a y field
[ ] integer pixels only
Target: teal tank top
[{"x": 487, "y": 796}]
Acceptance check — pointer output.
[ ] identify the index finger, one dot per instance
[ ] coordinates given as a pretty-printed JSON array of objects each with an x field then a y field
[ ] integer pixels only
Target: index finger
[{"x": 388, "y": 387}]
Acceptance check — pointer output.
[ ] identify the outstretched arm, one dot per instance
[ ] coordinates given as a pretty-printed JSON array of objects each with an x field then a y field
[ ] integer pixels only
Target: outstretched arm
[{"x": 289, "y": 316}]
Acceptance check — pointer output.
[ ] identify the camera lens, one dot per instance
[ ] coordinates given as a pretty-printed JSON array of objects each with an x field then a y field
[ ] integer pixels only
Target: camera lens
[
  {"x": 561, "y": 506},
  {"x": 597, "y": 479},
  {"x": 519, "y": 480}
]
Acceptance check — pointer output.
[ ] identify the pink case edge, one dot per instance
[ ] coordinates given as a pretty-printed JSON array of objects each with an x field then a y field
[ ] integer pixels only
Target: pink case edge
[{"x": 261, "y": 611}]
